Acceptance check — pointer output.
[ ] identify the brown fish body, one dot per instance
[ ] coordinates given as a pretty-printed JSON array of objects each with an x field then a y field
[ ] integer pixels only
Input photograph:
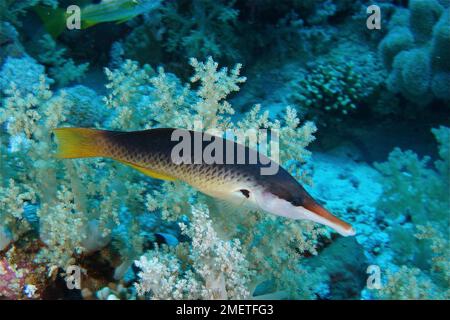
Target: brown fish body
[
  {"x": 152, "y": 149},
  {"x": 152, "y": 152}
]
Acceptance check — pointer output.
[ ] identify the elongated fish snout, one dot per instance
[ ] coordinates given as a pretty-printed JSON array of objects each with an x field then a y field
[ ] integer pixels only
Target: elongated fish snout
[
  {"x": 315, "y": 212},
  {"x": 308, "y": 210}
]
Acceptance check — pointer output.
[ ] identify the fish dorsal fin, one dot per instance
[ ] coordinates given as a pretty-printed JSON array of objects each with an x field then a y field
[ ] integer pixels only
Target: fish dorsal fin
[{"x": 149, "y": 172}]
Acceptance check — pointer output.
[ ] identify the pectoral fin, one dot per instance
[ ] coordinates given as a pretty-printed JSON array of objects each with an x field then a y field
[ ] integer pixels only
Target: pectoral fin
[
  {"x": 149, "y": 172},
  {"x": 125, "y": 19}
]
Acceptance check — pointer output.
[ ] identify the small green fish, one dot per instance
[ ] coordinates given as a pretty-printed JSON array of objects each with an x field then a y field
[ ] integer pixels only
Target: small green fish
[
  {"x": 106, "y": 11},
  {"x": 151, "y": 152}
]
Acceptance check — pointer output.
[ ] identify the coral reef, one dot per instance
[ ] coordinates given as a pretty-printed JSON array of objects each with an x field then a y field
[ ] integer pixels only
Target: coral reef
[
  {"x": 86, "y": 106},
  {"x": 23, "y": 72},
  {"x": 62, "y": 69},
  {"x": 9, "y": 41},
  {"x": 361, "y": 115},
  {"x": 64, "y": 217},
  {"x": 188, "y": 29},
  {"x": 218, "y": 270},
  {"x": 11, "y": 10},
  {"x": 413, "y": 52},
  {"x": 332, "y": 88},
  {"x": 416, "y": 204}
]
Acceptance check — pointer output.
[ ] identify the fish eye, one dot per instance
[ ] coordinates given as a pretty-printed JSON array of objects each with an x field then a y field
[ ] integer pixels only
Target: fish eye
[{"x": 245, "y": 192}]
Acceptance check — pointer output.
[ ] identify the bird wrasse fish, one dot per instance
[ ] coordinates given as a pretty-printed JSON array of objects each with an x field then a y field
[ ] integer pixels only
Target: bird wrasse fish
[
  {"x": 55, "y": 19},
  {"x": 151, "y": 152}
]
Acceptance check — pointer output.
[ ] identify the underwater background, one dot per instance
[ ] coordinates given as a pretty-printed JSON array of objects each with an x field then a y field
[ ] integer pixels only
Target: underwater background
[{"x": 362, "y": 106}]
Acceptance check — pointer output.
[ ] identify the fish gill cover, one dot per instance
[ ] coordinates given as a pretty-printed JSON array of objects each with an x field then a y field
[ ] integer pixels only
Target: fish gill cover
[{"x": 357, "y": 92}]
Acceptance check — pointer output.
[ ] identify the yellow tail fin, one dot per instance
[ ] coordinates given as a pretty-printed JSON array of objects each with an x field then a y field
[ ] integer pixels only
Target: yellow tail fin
[{"x": 78, "y": 142}]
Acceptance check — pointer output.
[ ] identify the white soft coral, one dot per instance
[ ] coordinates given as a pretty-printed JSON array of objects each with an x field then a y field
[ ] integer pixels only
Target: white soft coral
[{"x": 219, "y": 269}]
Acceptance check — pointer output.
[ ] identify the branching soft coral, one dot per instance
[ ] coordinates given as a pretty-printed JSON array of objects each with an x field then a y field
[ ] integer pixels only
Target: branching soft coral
[
  {"x": 61, "y": 229},
  {"x": 416, "y": 192},
  {"x": 294, "y": 138},
  {"x": 171, "y": 100},
  {"x": 439, "y": 244},
  {"x": 215, "y": 86},
  {"x": 29, "y": 118},
  {"x": 210, "y": 33},
  {"x": 9, "y": 38},
  {"x": 217, "y": 269},
  {"x": 11, "y": 10},
  {"x": 409, "y": 284},
  {"x": 30, "y": 172},
  {"x": 171, "y": 199},
  {"x": 412, "y": 187},
  {"x": 126, "y": 91},
  {"x": 192, "y": 29},
  {"x": 62, "y": 69},
  {"x": 13, "y": 199}
]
